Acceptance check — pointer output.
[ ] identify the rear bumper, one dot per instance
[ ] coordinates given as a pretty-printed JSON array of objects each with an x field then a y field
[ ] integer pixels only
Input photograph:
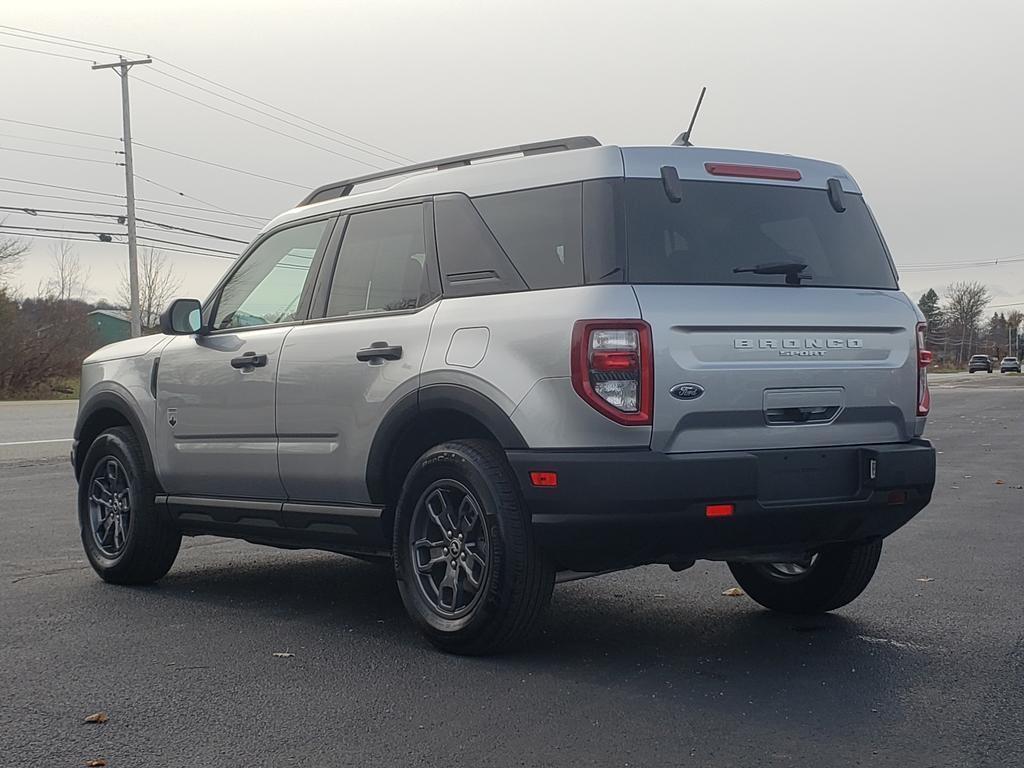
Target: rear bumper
[{"x": 618, "y": 508}]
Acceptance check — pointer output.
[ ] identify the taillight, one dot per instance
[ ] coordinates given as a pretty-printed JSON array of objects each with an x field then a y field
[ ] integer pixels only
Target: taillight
[
  {"x": 613, "y": 368},
  {"x": 924, "y": 359}
]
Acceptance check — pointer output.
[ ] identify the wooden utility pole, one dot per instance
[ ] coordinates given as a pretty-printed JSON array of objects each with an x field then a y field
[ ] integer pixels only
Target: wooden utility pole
[{"x": 121, "y": 68}]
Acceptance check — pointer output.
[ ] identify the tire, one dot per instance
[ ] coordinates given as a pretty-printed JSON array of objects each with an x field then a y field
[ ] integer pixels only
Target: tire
[
  {"x": 505, "y": 607},
  {"x": 835, "y": 577},
  {"x": 148, "y": 542}
]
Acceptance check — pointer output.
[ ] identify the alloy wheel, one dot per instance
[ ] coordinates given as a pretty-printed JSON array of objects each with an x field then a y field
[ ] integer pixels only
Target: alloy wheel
[
  {"x": 450, "y": 548},
  {"x": 110, "y": 513}
]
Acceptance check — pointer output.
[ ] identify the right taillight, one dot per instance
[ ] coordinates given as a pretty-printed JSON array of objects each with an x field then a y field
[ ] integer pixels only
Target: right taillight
[
  {"x": 613, "y": 369},
  {"x": 924, "y": 359}
]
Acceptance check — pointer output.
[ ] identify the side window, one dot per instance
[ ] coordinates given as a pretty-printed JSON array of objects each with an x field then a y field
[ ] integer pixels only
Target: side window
[
  {"x": 382, "y": 265},
  {"x": 541, "y": 230},
  {"x": 472, "y": 262},
  {"x": 267, "y": 287}
]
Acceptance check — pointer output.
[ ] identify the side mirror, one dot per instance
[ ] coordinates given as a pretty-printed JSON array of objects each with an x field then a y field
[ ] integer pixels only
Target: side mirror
[{"x": 182, "y": 317}]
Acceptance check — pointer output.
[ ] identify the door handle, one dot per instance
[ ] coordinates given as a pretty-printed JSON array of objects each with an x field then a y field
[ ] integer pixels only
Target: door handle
[
  {"x": 379, "y": 350},
  {"x": 249, "y": 360}
]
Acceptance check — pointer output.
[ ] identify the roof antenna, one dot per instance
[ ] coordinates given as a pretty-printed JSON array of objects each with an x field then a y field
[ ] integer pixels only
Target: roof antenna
[{"x": 683, "y": 139}]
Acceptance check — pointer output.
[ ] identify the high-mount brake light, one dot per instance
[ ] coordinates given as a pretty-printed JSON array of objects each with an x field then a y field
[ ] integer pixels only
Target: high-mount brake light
[
  {"x": 612, "y": 368},
  {"x": 924, "y": 359},
  {"x": 753, "y": 171},
  {"x": 719, "y": 510}
]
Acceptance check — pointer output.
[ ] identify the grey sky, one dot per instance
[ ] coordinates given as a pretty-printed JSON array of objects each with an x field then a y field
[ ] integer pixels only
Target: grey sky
[{"x": 921, "y": 101}]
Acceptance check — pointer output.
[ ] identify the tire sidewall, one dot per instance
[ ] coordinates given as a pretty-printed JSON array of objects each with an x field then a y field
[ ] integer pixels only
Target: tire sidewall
[
  {"x": 113, "y": 444},
  {"x": 448, "y": 462}
]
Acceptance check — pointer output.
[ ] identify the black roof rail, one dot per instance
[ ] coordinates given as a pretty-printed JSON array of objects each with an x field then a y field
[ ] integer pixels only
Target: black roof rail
[{"x": 344, "y": 188}]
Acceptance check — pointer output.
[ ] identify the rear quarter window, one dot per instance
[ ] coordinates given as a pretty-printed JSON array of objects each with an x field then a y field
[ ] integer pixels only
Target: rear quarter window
[{"x": 541, "y": 231}]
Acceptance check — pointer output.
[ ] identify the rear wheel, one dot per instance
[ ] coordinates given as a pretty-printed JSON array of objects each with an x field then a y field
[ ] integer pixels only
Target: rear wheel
[
  {"x": 469, "y": 572},
  {"x": 823, "y": 582},
  {"x": 126, "y": 539}
]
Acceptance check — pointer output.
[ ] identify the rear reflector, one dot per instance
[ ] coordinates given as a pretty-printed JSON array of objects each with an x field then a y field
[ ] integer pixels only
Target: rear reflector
[
  {"x": 753, "y": 171},
  {"x": 719, "y": 510},
  {"x": 544, "y": 479},
  {"x": 897, "y": 497}
]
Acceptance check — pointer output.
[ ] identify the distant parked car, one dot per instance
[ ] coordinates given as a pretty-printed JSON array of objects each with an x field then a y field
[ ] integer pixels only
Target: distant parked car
[
  {"x": 1009, "y": 364},
  {"x": 980, "y": 363}
]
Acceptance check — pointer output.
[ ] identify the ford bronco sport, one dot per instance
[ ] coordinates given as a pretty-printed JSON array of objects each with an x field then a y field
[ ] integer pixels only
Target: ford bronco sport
[{"x": 527, "y": 365}]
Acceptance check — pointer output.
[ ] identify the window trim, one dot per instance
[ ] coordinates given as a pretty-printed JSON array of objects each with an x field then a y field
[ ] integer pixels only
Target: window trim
[
  {"x": 321, "y": 294},
  {"x": 212, "y": 304}
]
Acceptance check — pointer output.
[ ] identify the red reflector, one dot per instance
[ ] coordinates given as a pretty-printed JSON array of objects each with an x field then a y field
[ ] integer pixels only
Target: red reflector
[
  {"x": 614, "y": 361},
  {"x": 719, "y": 510},
  {"x": 544, "y": 479},
  {"x": 753, "y": 171},
  {"x": 897, "y": 497}
]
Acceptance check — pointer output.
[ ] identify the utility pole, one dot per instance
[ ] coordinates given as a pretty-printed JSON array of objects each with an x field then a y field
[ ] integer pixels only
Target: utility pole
[{"x": 122, "y": 68}]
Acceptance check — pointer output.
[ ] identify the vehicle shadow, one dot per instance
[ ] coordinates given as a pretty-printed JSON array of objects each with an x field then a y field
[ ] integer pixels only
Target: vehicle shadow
[{"x": 687, "y": 652}]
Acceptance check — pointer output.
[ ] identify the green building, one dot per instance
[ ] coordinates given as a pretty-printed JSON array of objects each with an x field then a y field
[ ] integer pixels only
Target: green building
[{"x": 111, "y": 325}]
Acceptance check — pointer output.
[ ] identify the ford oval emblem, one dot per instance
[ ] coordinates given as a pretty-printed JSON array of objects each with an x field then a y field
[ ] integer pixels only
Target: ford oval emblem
[{"x": 686, "y": 391}]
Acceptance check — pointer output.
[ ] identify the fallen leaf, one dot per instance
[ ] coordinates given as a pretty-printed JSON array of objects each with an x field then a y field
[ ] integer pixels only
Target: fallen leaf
[
  {"x": 1000, "y": 482},
  {"x": 97, "y": 763},
  {"x": 658, "y": 596},
  {"x": 284, "y": 655},
  {"x": 926, "y": 579},
  {"x": 734, "y": 592},
  {"x": 97, "y": 717}
]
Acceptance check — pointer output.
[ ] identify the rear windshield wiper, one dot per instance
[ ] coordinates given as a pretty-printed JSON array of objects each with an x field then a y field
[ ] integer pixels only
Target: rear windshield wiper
[{"x": 793, "y": 270}]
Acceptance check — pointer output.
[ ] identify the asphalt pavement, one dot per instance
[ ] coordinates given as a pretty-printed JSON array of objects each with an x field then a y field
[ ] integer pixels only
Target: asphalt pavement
[
  {"x": 641, "y": 668},
  {"x": 36, "y": 429}
]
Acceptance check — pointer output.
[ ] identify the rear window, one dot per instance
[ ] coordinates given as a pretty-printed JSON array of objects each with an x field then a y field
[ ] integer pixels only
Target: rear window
[{"x": 719, "y": 227}]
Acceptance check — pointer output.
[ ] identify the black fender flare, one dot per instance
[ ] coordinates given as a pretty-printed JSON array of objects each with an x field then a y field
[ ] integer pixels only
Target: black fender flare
[
  {"x": 112, "y": 400},
  {"x": 434, "y": 397}
]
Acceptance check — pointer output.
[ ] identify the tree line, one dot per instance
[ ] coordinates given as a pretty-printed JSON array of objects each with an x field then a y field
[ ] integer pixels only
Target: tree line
[
  {"x": 44, "y": 338},
  {"x": 957, "y": 327}
]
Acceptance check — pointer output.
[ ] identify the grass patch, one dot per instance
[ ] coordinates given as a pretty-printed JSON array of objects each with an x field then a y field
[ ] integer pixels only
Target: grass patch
[{"x": 59, "y": 388}]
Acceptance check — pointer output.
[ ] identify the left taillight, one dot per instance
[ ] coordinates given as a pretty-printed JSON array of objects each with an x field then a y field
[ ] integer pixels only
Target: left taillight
[
  {"x": 613, "y": 368},
  {"x": 924, "y": 359}
]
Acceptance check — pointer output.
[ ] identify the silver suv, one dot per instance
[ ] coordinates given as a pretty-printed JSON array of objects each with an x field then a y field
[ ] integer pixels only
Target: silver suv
[{"x": 526, "y": 365}]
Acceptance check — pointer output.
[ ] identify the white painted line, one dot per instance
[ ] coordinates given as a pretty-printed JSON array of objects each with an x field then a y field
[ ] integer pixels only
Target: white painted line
[{"x": 38, "y": 442}]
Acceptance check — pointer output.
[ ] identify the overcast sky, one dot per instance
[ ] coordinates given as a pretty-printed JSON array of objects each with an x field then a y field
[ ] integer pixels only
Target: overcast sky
[{"x": 921, "y": 101}]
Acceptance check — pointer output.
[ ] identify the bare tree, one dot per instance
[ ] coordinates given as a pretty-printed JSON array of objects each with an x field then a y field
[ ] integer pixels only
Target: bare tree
[
  {"x": 69, "y": 278},
  {"x": 158, "y": 284},
  {"x": 11, "y": 251},
  {"x": 965, "y": 304}
]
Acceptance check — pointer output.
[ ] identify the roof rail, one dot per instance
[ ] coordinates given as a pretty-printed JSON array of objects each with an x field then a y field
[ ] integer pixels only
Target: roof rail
[{"x": 344, "y": 188}]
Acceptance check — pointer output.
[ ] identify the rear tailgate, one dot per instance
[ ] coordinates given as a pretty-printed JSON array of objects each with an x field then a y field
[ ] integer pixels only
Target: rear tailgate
[{"x": 779, "y": 367}]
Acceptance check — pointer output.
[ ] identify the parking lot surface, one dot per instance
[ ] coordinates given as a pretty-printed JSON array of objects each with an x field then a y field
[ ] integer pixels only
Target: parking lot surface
[{"x": 641, "y": 668}]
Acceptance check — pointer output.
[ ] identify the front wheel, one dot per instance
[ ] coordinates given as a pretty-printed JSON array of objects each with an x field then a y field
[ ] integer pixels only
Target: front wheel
[
  {"x": 126, "y": 538},
  {"x": 469, "y": 572},
  {"x": 823, "y": 582}
]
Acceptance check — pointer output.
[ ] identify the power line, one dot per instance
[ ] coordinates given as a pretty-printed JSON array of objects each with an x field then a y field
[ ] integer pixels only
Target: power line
[
  {"x": 140, "y": 208},
  {"x": 301, "y": 127},
  {"x": 47, "y": 53},
  {"x": 56, "y": 128},
  {"x": 48, "y": 42},
  {"x": 58, "y": 229},
  {"x": 61, "y": 186},
  {"x": 188, "y": 245},
  {"x": 119, "y": 242},
  {"x": 258, "y": 125},
  {"x": 282, "y": 111},
  {"x": 190, "y": 197},
  {"x": 95, "y": 46},
  {"x": 57, "y": 143},
  {"x": 219, "y": 165},
  {"x": 63, "y": 157},
  {"x": 30, "y": 211}
]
